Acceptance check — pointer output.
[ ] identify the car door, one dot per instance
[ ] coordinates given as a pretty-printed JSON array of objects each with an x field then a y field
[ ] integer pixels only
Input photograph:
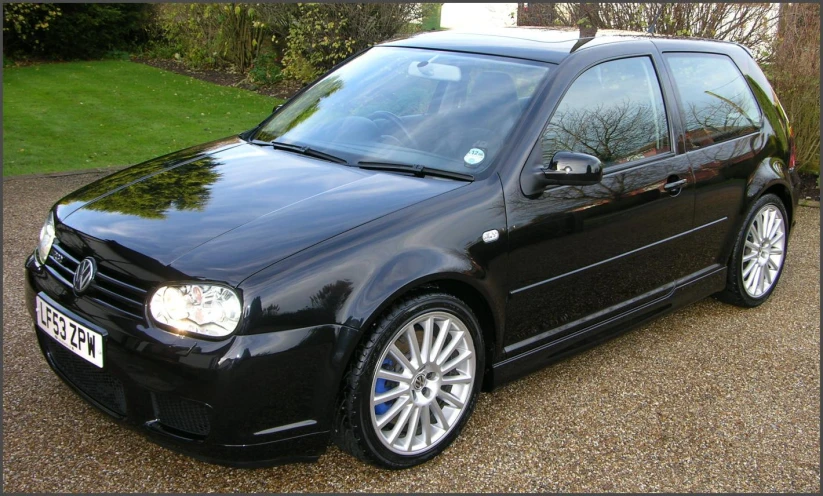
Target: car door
[{"x": 582, "y": 254}]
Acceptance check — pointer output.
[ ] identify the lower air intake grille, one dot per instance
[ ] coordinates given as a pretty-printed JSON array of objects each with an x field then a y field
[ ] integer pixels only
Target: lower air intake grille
[
  {"x": 94, "y": 381},
  {"x": 180, "y": 414}
]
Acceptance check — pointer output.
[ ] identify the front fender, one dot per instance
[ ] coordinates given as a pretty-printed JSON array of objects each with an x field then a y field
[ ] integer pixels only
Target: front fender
[
  {"x": 407, "y": 270},
  {"x": 444, "y": 271},
  {"x": 350, "y": 278}
]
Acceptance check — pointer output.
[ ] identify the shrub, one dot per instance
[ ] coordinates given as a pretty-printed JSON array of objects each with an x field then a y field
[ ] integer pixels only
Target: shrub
[
  {"x": 278, "y": 18},
  {"x": 795, "y": 72},
  {"x": 23, "y": 23},
  {"x": 322, "y": 35},
  {"x": 304, "y": 39},
  {"x": 73, "y": 31},
  {"x": 212, "y": 35},
  {"x": 265, "y": 70},
  {"x": 316, "y": 42},
  {"x": 431, "y": 16}
]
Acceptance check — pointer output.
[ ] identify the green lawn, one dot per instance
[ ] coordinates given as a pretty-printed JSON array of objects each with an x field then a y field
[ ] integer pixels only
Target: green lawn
[{"x": 80, "y": 115}]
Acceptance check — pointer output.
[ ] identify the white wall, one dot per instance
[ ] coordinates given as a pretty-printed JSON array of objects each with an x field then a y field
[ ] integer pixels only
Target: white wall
[{"x": 470, "y": 16}]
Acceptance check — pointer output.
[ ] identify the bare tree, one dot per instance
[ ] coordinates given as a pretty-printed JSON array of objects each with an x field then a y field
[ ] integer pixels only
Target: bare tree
[
  {"x": 536, "y": 14},
  {"x": 750, "y": 24}
]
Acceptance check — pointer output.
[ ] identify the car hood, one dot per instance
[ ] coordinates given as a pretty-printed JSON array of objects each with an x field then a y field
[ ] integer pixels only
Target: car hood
[{"x": 226, "y": 210}]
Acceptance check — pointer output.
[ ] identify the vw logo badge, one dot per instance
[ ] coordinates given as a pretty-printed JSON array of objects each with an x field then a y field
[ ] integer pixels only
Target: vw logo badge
[{"x": 85, "y": 274}]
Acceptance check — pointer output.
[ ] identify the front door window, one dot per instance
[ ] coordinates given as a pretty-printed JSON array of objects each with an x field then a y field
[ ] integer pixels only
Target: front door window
[{"x": 613, "y": 111}]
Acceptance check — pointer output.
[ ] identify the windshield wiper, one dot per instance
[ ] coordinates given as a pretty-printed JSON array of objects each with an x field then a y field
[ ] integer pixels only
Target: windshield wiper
[
  {"x": 417, "y": 170},
  {"x": 303, "y": 150}
]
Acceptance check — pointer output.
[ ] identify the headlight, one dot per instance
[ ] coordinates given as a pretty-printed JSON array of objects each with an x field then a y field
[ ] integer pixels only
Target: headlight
[
  {"x": 46, "y": 239},
  {"x": 204, "y": 309}
]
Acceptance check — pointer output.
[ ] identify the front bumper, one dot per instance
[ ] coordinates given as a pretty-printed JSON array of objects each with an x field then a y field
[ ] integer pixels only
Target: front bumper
[{"x": 250, "y": 400}]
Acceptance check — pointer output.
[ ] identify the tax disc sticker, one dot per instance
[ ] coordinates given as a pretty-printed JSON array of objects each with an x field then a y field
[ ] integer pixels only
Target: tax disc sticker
[{"x": 474, "y": 157}]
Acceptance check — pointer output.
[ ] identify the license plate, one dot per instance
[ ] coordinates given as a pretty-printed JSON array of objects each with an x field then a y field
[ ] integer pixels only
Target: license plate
[{"x": 81, "y": 340}]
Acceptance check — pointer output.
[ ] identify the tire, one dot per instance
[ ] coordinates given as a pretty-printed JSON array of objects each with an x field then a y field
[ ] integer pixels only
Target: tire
[
  {"x": 746, "y": 266},
  {"x": 368, "y": 429}
]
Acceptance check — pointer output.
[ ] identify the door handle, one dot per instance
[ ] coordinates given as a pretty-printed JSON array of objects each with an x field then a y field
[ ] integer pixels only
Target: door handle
[{"x": 674, "y": 185}]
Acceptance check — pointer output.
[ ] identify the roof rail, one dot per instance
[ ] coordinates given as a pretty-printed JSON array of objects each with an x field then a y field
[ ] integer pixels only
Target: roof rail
[{"x": 696, "y": 38}]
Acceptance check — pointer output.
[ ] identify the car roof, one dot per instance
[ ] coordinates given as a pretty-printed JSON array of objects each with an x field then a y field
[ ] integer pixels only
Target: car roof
[{"x": 543, "y": 44}]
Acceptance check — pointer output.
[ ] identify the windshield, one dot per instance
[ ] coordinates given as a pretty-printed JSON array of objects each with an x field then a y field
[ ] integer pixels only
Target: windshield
[{"x": 440, "y": 110}]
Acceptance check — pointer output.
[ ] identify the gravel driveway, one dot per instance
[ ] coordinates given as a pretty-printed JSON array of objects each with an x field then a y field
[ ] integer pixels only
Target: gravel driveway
[{"x": 710, "y": 398}]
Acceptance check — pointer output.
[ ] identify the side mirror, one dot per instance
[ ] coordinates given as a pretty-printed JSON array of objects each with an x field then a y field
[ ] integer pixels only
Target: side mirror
[
  {"x": 276, "y": 108},
  {"x": 569, "y": 168}
]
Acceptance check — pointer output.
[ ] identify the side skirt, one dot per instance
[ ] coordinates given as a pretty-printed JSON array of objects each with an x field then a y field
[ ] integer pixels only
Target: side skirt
[{"x": 687, "y": 290}]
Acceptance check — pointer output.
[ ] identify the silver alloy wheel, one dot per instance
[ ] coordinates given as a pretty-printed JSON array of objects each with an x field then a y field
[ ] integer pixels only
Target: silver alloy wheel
[
  {"x": 764, "y": 251},
  {"x": 423, "y": 382}
]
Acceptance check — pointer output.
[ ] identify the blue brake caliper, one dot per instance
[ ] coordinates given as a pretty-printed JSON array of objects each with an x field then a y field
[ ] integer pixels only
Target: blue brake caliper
[{"x": 381, "y": 386}]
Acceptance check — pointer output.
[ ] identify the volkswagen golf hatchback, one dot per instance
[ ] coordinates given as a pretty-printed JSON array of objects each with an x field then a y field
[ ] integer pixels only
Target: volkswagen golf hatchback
[{"x": 438, "y": 215}]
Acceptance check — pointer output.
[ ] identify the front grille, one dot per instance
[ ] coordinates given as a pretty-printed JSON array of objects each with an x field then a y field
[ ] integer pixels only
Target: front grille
[
  {"x": 180, "y": 414},
  {"x": 101, "y": 386},
  {"x": 106, "y": 290}
]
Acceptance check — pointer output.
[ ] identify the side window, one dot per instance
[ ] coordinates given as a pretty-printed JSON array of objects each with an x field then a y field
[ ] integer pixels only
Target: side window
[
  {"x": 717, "y": 103},
  {"x": 613, "y": 111}
]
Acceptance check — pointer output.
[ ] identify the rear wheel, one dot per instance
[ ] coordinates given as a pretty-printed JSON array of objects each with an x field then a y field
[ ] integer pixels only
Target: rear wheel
[
  {"x": 413, "y": 384},
  {"x": 759, "y": 254}
]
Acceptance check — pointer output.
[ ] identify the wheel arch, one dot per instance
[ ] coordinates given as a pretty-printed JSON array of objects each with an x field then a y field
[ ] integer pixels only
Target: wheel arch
[
  {"x": 775, "y": 185},
  {"x": 761, "y": 183},
  {"x": 781, "y": 191},
  {"x": 468, "y": 288},
  {"x": 770, "y": 176},
  {"x": 735, "y": 292},
  {"x": 457, "y": 285}
]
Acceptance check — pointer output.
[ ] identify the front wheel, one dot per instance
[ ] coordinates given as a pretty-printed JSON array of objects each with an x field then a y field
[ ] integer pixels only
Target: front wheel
[
  {"x": 413, "y": 384},
  {"x": 759, "y": 254}
]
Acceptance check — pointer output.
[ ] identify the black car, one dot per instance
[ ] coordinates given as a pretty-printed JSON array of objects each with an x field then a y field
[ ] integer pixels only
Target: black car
[{"x": 438, "y": 215}]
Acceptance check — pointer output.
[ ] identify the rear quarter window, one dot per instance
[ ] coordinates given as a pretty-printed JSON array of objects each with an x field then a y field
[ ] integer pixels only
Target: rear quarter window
[{"x": 716, "y": 103}]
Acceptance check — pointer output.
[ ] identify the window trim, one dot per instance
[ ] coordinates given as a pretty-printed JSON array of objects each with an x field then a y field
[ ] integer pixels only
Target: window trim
[
  {"x": 615, "y": 168},
  {"x": 679, "y": 101},
  {"x": 608, "y": 169}
]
